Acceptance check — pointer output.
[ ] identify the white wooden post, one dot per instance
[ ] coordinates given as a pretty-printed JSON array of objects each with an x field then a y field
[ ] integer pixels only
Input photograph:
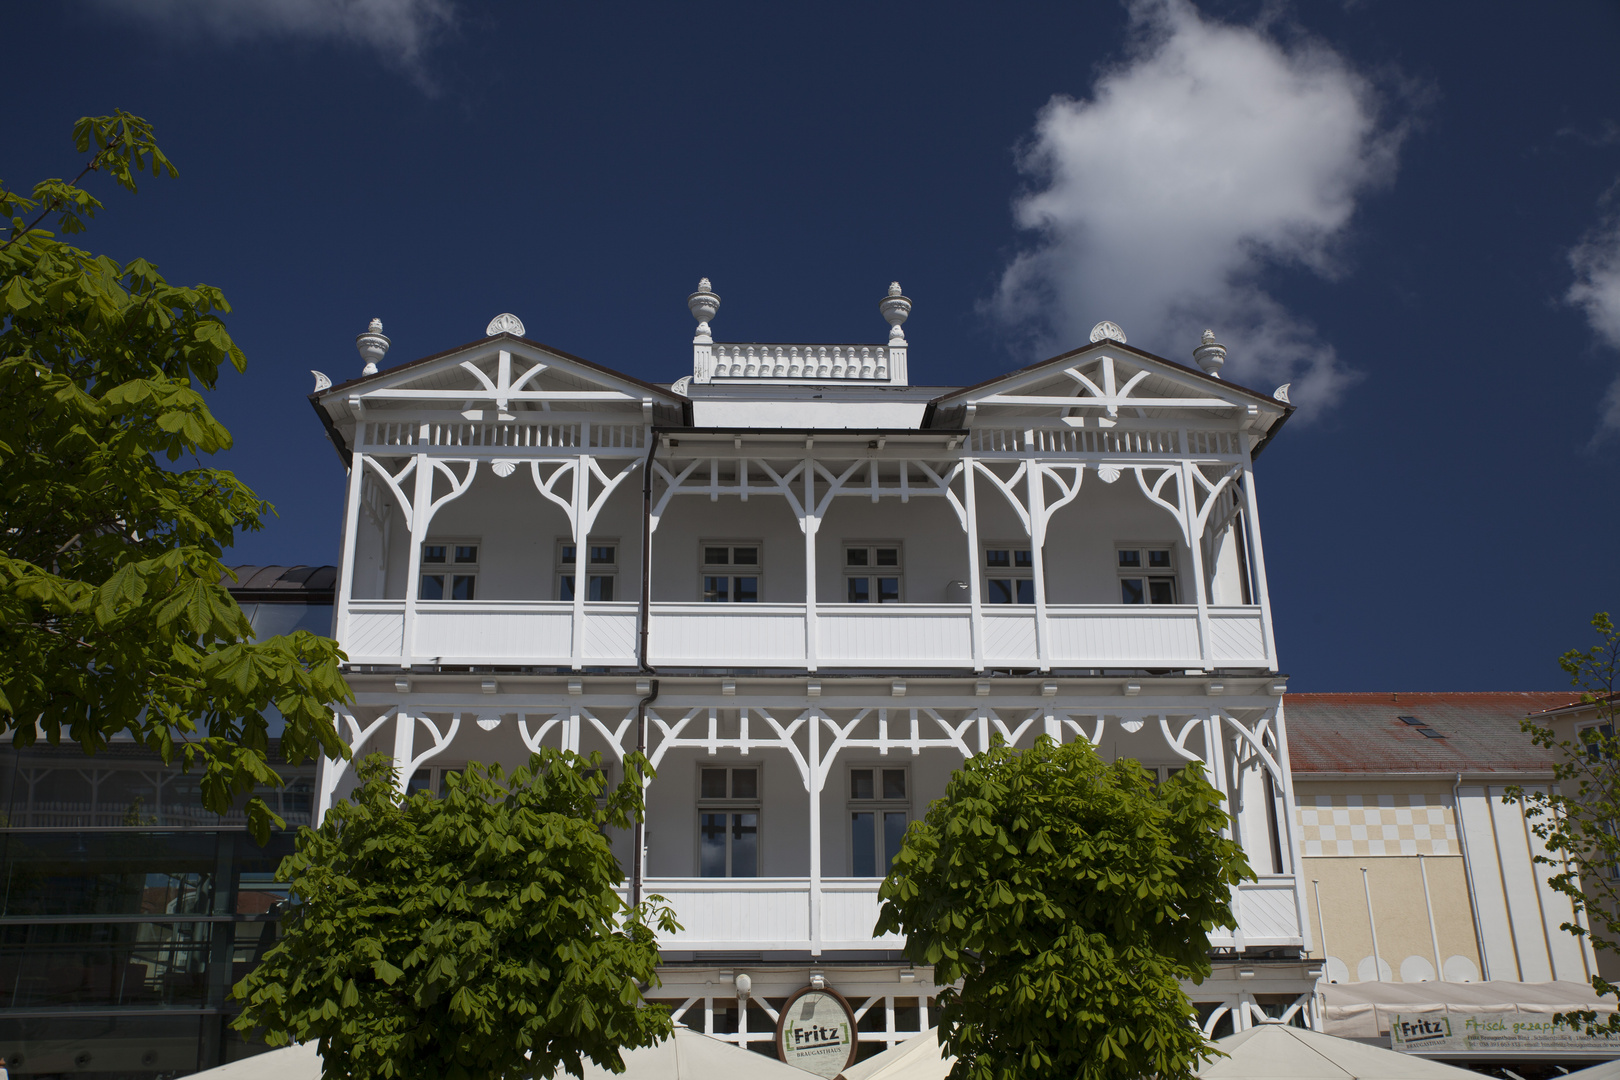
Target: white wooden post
[
  {"x": 813, "y": 785},
  {"x": 976, "y": 606},
  {"x": 811, "y": 523},
  {"x": 582, "y": 490},
  {"x": 1289, "y": 833},
  {"x": 404, "y": 749},
  {"x": 421, "y": 508},
  {"x": 1036, "y": 485},
  {"x": 351, "y": 523},
  {"x": 1195, "y": 551},
  {"x": 1257, "y": 558}
]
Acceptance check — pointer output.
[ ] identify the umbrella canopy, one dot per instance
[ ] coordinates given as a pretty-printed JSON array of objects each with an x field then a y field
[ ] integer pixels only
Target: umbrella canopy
[
  {"x": 918, "y": 1058},
  {"x": 1278, "y": 1051},
  {"x": 301, "y": 1061},
  {"x": 1608, "y": 1070}
]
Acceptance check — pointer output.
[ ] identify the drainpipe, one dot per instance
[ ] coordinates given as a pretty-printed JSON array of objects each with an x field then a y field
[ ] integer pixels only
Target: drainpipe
[
  {"x": 639, "y": 834},
  {"x": 1468, "y": 872},
  {"x": 1378, "y": 962}
]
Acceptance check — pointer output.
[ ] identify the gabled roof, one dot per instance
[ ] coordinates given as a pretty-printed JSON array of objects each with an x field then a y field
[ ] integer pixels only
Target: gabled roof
[{"x": 1338, "y": 734}]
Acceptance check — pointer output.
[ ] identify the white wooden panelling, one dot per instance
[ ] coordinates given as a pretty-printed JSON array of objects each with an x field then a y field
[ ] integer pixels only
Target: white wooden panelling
[
  {"x": 1523, "y": 895},
  {"x": 496, "y": 630},
  {"x": 1237, "y": 638},
  {"x": 1118, "y": 636},
  {"x": 861, "y": 635},
  {"x": 1009, "y": 636},
  {"x": 714, "y": 634},
  {"x": 610, "y": 632},
  {"x": 1268, "y": 914},
  {"x": 736, "y": 912},
  {"x": 1490, "y": 901},
  {"x": 849, "y": 911},
  {"x": 375, "y": 628},
  {"x": 1568, "y": 956}
]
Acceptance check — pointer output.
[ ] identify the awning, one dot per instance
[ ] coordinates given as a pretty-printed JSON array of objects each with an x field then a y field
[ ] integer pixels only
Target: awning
[
  {"x": 918, "y": 1058},
  {"x": 1363, "y": 1010}
]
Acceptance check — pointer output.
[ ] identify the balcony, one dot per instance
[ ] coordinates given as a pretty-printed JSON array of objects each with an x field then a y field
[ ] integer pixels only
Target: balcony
[{"x": 909, "y": 637}]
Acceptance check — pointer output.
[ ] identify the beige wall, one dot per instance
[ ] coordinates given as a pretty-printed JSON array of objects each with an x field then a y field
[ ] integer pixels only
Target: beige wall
[{"x": 1405, "y": 945}]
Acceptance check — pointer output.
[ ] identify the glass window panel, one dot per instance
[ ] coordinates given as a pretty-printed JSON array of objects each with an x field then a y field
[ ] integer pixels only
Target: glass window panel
[
  {"x": 601, "y": 587},
  {"x": 712, "y": 783},
  {"x": 744, "y": 783},
  {"x": 1131, "y": 591},
  {"x": 716, "y": 590},
  {"x": 747, "y": 590},
  {"x": 1026, "y": 591},
  {"x": 1001, "y": 591},
  {"x": 462, "y": 587},
  {"x": 603, "y": 555},
  {"x": 1159, "y": 558},
  {"x": 855, "y": 557},
  {"x": 997, "y": 557},
  {"x": 860, "y": 783},
  {"x": 745, "y": 556},
  {"x": 894, "y": 783},
  {"x": 860, "y": 590},
  {"x": 716, "y": 556},
  {"x": 568, "y": 553},
  {"x": 1162, "y": 590},
  {"x": 466, "y": 553},
  {"x": 712, "y": 845},
  {"x": 432, "y": 587},
  {"x": 745, "y": 845},
  {"x": 1131, "y": 560},
  {"x": 888, "y": 556},
  {"x": 421, "y": 780},
  {"x": 894, "y": 835},
  {"x": 565, "y": 587},
  {"x": 1023, "y": 558},
  {"x": 862, "y": 845},
  {"x": 433, "y": 553},
  {"x": 888, "y": 590}
]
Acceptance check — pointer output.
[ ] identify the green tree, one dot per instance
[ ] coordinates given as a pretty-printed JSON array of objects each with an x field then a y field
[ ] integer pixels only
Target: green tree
[
  {"x": 1576, "y": 816},
  {"x": 112, "y": 612},
  {"x": 478, "y": 935},
  {"x": 1069, "y": 896}
]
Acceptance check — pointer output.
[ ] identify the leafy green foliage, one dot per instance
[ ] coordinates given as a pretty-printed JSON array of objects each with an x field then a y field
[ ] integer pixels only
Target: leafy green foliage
[
  {"x": 112, "y": 615},
  {"x": 1576, "y": 816},
  {"x": 1069, "y": 896},
  {"x": 477, "y": 935}
]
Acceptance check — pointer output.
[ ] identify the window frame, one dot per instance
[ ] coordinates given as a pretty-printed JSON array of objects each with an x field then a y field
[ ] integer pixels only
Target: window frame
[
  {"x": 473, "y": 570},
  {"x": 565, "y": 566},
  {"x": 728, "y": 806},
  {"x": 1146, "y": 573},
  {"x": 1012, "y": 572},
  {"x": 872, "y": 571},
  {"x": 876, "y": 806},
  {"x": 436, "y": 770},
  {"x": 705, "y": 567}
]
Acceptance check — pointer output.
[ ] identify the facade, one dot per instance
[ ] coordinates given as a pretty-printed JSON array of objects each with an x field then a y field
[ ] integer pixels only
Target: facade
[
  {"x": 127, "y": 911},
  {"x": 810, "y": 589}
]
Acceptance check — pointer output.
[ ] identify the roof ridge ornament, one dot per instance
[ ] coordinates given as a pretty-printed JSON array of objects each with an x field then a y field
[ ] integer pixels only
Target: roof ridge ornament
[
  {"x": 373, "y": 346},
  {"x": 1211, "y": 355},
  {"x": 1107, "y": 331},
  {"x": 896, "y": 308},
  {"x": 504, "y": 323},
  {"x": 1281, "y": 393},
  {"x": 323, "y": 381},
  {"x": 703, "y": 304}
]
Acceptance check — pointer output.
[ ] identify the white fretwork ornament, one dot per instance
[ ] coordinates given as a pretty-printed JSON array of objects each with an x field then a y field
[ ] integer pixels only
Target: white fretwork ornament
[
  {"x": 1108, "y": 331},
  {"x": 322, "y": 380},
  {"x": 1281, "y": 393},
  {"x": 504, "y": 323}
]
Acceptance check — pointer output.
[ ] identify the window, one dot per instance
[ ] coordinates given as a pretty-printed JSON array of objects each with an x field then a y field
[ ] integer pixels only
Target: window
[
  {"x": 731, "y": 572},
  {"x": 1009, "y": 575},
  {"x": 879, "y": 811},
  {"x": 432, "y": 778},
  {"x": 601, "y": 568},
  {"x": 728, "y": 822},
  {"x": 872, "y": 573},
  {"x": 449, "y": 570},
  {"x": 1147, "y": 575}
]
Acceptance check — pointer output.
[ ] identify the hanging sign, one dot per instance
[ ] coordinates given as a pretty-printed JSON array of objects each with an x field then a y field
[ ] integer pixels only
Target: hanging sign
[
  {"x": 1472, "y": 1033},
  {"x": 816, "y": 1032}
]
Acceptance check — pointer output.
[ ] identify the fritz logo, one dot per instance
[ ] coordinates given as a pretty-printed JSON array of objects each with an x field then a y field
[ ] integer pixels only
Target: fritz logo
[
  {"x": 817, "y": 1037},
  {"x": 1419, "y": 1031}
]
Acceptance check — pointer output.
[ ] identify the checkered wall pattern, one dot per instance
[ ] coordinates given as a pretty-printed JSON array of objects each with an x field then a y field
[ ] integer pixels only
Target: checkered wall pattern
[{"x": 1412, "y": 824}]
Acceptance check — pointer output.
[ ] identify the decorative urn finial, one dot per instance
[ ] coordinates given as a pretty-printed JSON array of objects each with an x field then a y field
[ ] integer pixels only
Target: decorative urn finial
[
  {"x": 1210, "y": 355},
  {"x": 896, "y": 307},
  {"x": 703, "y": 304},
  {"x": 373, "y": 346}
]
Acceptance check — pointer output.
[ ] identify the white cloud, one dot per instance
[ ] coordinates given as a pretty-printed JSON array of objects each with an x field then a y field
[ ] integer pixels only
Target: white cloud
[
  {"x": 1212, "y": 153},
  {"x": 400, "y": 30},
  {"x": 1597, "y": 291}
]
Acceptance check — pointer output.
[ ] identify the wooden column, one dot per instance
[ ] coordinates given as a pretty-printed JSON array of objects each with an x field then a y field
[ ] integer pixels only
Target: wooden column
[
  {"x": 1195, "y": 551},
  {"x": 811, "y": 523},
  {"x": 351, "y": 523},
  {"x": 975, "y": 601},
  {"x": 421, "y": 511},
  {"x": 1257, "y": 560},
  {"x": 1035, "y": 484}
]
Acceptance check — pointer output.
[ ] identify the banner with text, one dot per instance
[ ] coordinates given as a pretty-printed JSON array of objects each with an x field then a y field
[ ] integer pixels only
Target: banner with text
[{"x": 1508, "y": 1032}]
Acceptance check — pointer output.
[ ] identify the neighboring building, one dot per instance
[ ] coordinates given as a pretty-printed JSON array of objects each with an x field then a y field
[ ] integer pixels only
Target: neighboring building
[
  {"x": 826, "y": 587},
  {"x": 128, "y": 910}
]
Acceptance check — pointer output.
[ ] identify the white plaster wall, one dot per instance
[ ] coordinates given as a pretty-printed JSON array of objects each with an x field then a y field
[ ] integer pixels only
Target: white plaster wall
[
  {"x": 1081, "y": 567},
  {"x": 934, "y": 545},
  {"x": 672, "y": 801},
  {"x": 690, "y": 519}
]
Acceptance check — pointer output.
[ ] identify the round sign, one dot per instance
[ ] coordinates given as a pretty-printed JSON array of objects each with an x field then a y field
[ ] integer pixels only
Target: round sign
[{"x": 816, "y": 1032}]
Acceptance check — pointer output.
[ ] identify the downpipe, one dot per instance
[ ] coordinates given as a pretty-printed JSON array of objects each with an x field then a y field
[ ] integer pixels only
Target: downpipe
[{"x": 639, "y": 833}]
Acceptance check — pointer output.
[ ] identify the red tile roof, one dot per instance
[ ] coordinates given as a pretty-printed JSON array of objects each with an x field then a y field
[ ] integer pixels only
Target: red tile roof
[{"x": 1362, "y": 732}]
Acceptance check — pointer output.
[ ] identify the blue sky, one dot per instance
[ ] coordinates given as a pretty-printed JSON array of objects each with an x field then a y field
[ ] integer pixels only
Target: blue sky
[{"x": 1406, "y": 210}]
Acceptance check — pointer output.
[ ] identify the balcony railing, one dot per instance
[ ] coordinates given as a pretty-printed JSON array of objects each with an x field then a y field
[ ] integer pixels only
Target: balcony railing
[{"x": 846, "y": 636}]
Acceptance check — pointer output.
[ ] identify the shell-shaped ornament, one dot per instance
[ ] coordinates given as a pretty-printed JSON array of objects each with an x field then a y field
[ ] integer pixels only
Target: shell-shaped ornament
[
  {"x": 1107, "y": 473},
  {"x": 1109, "y": 331},
  {"x": 503, "y": 467}
]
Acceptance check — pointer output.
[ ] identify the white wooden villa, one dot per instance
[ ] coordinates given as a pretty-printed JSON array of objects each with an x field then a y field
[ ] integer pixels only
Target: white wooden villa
[{"x": 814, "y": 588}]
